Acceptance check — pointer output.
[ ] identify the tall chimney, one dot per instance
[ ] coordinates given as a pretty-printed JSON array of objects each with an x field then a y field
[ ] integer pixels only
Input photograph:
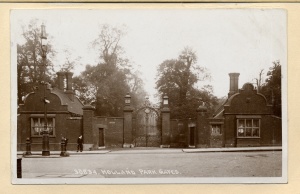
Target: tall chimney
[
  {"x": 60, "y": 80},
  {"x": 234, "y": 83},
  {"x": 69, "y": 90}
]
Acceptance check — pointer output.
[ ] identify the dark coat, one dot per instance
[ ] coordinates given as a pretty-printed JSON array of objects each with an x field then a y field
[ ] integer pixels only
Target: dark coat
[{"x": 79, "y": 141}]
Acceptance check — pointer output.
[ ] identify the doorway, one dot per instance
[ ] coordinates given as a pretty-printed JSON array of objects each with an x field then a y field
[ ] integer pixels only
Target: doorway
[
  {"x": 192, "y": 137},
  {"x": 101, "y": 137}
]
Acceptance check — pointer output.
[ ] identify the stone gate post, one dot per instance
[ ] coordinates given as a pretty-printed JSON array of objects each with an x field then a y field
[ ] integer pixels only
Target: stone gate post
[
  {"x": 165, "y": 114},
  {"x": 202, "y": 126},
  {"x": 87, "y": 133},
  {"x": 127, "y": 128}
]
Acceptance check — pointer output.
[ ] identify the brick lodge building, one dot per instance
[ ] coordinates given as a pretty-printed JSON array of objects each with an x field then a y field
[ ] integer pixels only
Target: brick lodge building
[{"x": 243, "y": 119}]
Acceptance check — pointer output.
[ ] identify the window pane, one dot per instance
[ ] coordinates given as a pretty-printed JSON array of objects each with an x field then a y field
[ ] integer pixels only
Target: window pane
[
  {"x": 42, "y": 122},
  {"x": 248, "y": 132},
  {"x": 36, "y": 126},
  {"x": 255, "y": 123},
  {"x": 35, "y": 121},
  {"x": 35, "y": 130},
  {"x": 241, "y": 132},
  {"x": 50, "y": 126},
  {"x": 241, "y": 123},
  {"x": 216, "y": 129},
  {"x": 49, "y": 121},
  {"x": 50, "y": 130},
  {"x": 41, "y": 130},
  {"x": 256, "y": 132},
  {"x": 248, "y": 123}
]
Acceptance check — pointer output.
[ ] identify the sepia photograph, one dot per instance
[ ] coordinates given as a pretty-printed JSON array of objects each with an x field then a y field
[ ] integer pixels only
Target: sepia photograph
[{"x": 148, "y": 96}]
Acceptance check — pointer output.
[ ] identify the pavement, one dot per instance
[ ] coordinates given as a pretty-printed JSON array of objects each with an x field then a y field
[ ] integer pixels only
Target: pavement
[
  {"x": 55, "y": 154},
  {"x": 152, "y": 163},
  {"x": 234, "y": 149}
]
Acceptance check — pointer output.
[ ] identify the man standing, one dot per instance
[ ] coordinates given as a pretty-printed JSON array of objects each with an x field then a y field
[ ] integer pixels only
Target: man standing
[
  {"x": 79, "y": 143},
  {"x": 66, "y": 142}
]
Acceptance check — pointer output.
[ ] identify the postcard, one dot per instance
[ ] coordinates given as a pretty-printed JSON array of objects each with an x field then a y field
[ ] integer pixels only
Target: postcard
[{"x": 148, "y": 96}]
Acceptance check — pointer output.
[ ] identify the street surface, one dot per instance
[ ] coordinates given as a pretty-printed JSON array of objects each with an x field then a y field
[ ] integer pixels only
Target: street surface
[{"x": 143, "y": 164}]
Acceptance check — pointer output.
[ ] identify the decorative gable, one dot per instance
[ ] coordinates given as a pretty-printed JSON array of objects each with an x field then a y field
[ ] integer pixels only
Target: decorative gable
[{"x": 247, "y": 101}]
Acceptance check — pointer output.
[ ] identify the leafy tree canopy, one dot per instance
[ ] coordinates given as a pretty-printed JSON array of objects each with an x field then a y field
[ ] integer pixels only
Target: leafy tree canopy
[
  {"x": 177, "y": 79},
  {"x": 106, "y": 84},
  {"x": 30, "y": 64},
  {"x": 271, "y": 89}
]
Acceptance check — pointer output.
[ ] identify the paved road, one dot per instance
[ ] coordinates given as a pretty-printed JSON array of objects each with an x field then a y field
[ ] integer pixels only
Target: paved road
[{"x": 118, "y": 164}]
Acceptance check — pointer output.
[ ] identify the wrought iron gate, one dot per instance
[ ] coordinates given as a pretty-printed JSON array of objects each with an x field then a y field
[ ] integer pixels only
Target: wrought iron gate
[{"x": 147, "y": 130}]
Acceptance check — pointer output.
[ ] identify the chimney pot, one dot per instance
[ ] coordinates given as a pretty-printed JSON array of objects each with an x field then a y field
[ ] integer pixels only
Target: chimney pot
[
  {"x": 69, "y": 90},
  {"x": 60, "y": 80},
  {"x": 69, "y": 80}
]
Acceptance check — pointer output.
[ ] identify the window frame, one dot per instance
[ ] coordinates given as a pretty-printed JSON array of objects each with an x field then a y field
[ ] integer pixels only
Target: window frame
[
  {"x": 245, "y": 127},
  {"x": 39, "y": 117}
]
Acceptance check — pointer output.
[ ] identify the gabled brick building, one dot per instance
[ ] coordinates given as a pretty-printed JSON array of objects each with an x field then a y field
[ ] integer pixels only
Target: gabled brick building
[
  {"x": 244, "y": 119},
  {"x": 64, "y": 115}
]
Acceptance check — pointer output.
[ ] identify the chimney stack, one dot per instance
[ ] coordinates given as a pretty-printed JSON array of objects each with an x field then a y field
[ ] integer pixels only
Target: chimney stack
[
  {"x": 69, "y": 81},
  {"x": 60, "y": 80},
  {"x": 234, "y": 84},
  {"x": 69, "y": 90}
]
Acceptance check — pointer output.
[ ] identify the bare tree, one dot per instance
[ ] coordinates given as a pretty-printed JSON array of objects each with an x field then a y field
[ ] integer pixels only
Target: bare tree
[
  {"x": 70, "y": 61},
  {"x": 108, "y": 45},
  {"x": 259, "y": 80}
]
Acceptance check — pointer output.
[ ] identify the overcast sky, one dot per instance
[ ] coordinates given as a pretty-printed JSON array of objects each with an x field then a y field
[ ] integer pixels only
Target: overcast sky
[{"x": 225, "y": 40}]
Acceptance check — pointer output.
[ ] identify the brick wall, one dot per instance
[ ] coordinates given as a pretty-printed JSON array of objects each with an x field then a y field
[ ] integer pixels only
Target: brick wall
[
  {"x": 88, "y": 139},
  {"x": 230, "y": 131},
  {"x": 203, "y": 130},
  {"x": 179, "y": 133},
  {"x": 72, "y": 131},
  {"x": 271, "y": 131},
  {"x": 113, "y": 131}
]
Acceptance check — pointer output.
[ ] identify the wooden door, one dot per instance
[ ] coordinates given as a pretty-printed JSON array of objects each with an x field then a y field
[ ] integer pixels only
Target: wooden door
[
  {"x": 101, "y": 137},
  {"x": 192, "y": 136}
]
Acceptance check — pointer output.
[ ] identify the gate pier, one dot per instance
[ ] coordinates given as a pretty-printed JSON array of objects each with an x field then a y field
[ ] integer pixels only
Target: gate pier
[
  {"x": 165, "y": 123},
  {"x": 127, "y": 128}
]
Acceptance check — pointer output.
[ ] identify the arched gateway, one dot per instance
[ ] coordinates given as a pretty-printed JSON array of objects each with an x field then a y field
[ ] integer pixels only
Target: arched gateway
[{"x": 147, "y": 127}]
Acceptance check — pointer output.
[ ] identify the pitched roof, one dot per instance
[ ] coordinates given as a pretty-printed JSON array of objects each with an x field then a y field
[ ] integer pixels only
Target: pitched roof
[
  {"x": 220, "y": 108},
  {"x": 73, "y": 106}
]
